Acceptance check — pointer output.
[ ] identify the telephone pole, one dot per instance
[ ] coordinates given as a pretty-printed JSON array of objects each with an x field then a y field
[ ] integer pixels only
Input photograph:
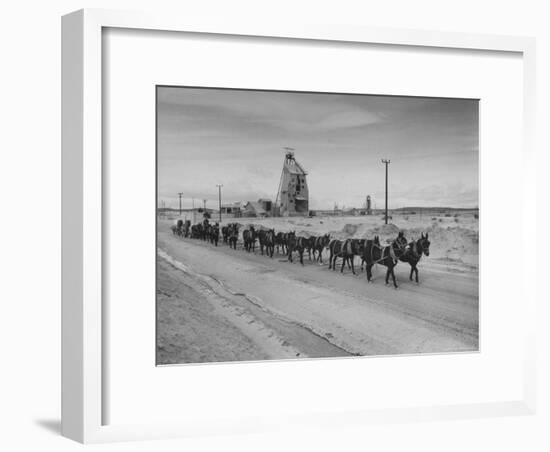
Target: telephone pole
[
  {"x": 220, "y": 199},
  {"x": 180, "y": 195},
  {"x": 386, "y": 162}
]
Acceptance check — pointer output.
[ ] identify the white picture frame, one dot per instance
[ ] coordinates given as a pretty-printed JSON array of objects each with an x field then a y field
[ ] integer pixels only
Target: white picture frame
[{"x": 83, "y": 348}]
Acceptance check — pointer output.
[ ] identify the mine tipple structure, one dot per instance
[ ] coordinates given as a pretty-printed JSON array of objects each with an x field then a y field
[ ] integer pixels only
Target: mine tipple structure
[{"x": 293, "y": 194}]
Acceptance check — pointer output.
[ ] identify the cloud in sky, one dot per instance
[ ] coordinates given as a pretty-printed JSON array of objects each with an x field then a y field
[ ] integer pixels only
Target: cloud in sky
[{"x": 236, "y": 138}]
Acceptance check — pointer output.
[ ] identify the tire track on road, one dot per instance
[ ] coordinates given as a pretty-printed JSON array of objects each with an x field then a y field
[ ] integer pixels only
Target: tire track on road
[{"x": 261, "y": 324}]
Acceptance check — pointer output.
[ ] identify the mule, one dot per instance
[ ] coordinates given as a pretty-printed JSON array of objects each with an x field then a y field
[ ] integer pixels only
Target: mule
[
  {"x": 179, "y": 228},
  {"x": 347, "y": 250},
  {"x": 249, "y": 239},
  {"x": 196, "y": 231},
  {"x": 205, "y": 229},
  {"x": 186, "y": 228},
  {"x": 266, "y": 239},
  {"x": 388, "y": 256},
  {"x": 414, "y": 252},
  {"x": 280, "y": 242},
  {"x": 225, "y": 233},
  {"x": 296, "y": 244},
  {"x": 400, "y": 244},
  {"x": 355, "y": 248},
  {"x": 214, "y": 234},
  {"x": 310, "y": 246},
  {"x": 286, "y": 238},
  {"x": 261, "y": 240},
  {"x": 233, "y": 235},
  {"x": 335, "y": 248},
  {"x": 320, "y": 244}
]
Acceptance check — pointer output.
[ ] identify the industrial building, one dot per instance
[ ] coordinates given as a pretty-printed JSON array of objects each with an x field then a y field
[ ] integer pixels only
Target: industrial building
[{"x": 293, "y": 194}]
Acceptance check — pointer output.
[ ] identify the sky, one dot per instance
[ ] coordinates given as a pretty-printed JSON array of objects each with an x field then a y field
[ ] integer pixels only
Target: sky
[{"x": 237, "y": 138}]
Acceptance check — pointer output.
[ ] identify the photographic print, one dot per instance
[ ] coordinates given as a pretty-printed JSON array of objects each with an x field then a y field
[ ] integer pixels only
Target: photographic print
[{"x": 296, "y": 225}]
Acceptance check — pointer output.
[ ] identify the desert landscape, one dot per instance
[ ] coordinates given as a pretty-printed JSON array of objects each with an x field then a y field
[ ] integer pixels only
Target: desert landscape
[{"x": 219, "y": 304}]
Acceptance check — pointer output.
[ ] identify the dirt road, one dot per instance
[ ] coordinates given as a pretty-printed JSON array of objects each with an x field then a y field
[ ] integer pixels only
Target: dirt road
[{"x": 218, "y": 304}]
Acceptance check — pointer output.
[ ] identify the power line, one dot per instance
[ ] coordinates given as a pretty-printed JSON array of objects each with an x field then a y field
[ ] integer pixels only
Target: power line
[
  {"x": 386, "y": 162},
  {"x": 180, "y": 195},
  {"x": 220, "y": 199}
]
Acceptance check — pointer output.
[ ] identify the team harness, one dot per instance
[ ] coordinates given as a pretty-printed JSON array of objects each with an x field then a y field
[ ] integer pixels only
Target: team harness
[
  {"x": 346, "y": 248},
  {"x": 391, "y": 252}
]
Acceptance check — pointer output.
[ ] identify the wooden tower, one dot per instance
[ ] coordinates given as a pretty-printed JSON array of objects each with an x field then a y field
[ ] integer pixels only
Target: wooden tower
[{"x": 293, "y": 194}]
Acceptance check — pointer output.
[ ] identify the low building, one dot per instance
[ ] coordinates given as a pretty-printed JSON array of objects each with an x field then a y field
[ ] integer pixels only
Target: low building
[
  {"x": 233, "y": 208},
  {"x": 266, "y": 204},
  {"x": 253, "y": 209},
  {"x": 352, "y": 211},
  {"x": 261, "y": 208}
]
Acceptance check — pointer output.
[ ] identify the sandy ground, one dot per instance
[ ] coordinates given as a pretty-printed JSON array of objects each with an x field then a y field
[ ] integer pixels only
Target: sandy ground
[{"x": 218, "y": 304}]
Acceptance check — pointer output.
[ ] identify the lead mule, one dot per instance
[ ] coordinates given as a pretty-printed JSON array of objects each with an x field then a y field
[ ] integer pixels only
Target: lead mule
[{"x": 414, "y": 252}]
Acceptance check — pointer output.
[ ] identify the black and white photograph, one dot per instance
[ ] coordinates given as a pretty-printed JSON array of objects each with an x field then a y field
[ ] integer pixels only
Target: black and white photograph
[{"x": 295, "y": 225}]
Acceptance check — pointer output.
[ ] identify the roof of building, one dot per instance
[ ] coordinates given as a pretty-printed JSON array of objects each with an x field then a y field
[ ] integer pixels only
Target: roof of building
[
  {"x": 234, "y": 205},
  {"x": 255, "y": 206},
  {"x": 294, "y": 168}
]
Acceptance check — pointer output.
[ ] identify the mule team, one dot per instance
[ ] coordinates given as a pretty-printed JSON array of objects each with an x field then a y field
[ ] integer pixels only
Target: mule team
[{"x": 370, "y": 251}]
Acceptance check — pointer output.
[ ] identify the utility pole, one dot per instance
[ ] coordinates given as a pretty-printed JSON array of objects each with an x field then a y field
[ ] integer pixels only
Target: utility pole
[
  {"x": 386, "y": 162},
  {"x": 220, "y": 199},
  {"x": 194, "y": 219},
  {"x": 180, "y": 195}
]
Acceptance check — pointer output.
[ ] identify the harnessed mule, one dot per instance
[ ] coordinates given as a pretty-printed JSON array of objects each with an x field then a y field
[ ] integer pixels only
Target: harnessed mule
[
  {"x": 266, "y": 239},
  {"x": 388, "y": 256},
  {"x": 233, "y": 235},
  {"x": 320, "y": 243},
  {"x": 414, "y": 252},
  {"x": 206, "y": 229},
  {"x": 196, "y": 231},
  {"x": 214, "y": 233},
  {"x": 295, "y": 244},
  {"x": 335, "y": 248},
  {"x": 280, "y": 241},
  {"x": 179, "y": 228},
  {"x": 357, "y": 247},
  {"x": 346, "y": 250},
  {"x": 400, "y": 244},
  {"x": 249, "y": 239},
  {"x": 310, "y": 245},
  {"x": 186, "y": 228},
  {"x": 269, "y": 242},
  {"x": 225, "y": 233}
]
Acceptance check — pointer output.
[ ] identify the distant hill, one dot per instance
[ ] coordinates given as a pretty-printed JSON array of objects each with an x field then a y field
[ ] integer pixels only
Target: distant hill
[
  {"x": 458, "y": 209},
  {"x": 197, "y": 209}
]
